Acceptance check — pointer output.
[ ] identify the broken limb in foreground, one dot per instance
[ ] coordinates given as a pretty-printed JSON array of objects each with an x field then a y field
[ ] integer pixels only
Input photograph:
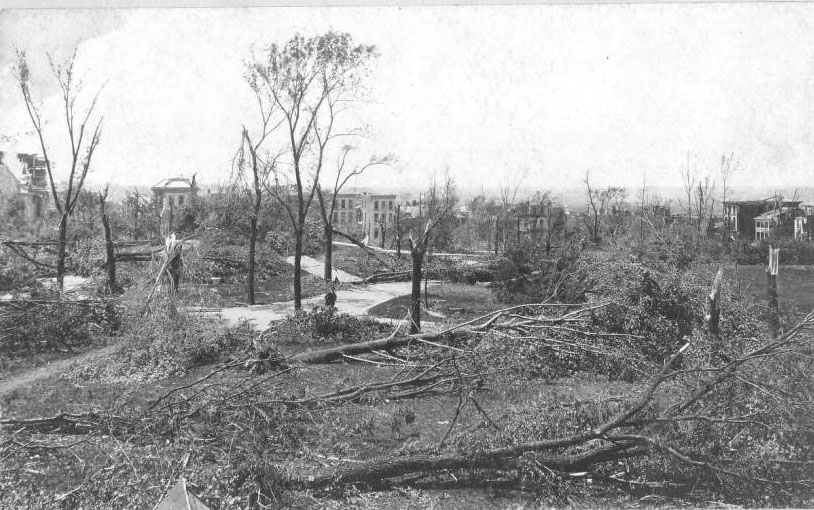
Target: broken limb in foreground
[{"x": 637, "y": 430}]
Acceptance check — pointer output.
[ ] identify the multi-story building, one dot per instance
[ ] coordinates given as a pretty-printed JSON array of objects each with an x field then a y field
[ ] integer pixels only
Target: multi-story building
[
  {"x": 365, "y": 214},
  {"x": 379, "y": 216},
  {"x": 347, "y": 215}
]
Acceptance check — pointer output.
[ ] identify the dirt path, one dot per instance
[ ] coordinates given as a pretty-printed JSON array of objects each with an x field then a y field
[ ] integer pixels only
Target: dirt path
[
  {"x": 317, "y": 268},
  {"x": 23, "y": 379}
]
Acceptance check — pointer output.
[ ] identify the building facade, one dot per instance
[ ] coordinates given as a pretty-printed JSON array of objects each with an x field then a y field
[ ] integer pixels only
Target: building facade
[
  {"x": 169, "y": 197},
  {"x": 362, "y": 215},
  {"x": 24, "y": 183},
  {"x": 761, "y": 219}
]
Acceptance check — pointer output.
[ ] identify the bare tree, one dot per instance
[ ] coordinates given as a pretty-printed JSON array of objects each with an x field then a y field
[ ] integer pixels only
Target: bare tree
[
  {"x": 254, "y": 183},
  {"x": 83, "y": 138},
  {"x": 310, "y": 81},
  {"x": 344, "y": 173},
  {"x": 599, "y": 201},
  {"x": 508, "y": 196},
  {"x": 419, "y": 243},
  {"x": 110, "y": 255},
  {"x": 688, "y": 177},
  {"x": 704, "y": 204}
]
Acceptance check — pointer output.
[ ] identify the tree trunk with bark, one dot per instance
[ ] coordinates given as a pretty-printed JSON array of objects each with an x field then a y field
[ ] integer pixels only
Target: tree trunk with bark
[
  {"x": 252, "y": 256},
  {"x": 298, "y": 232},
  {"x": 112, "y": 287},
  {"x": 417, "y": 252},
  {"x": 61, "y": 249},
  {"x": 328, "y": 232}
]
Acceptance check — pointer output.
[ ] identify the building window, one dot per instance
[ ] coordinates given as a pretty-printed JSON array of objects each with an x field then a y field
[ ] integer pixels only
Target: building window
[
  {"x": 391, "y": 205},
  {"x": 180, "y": 199},
  {"x": 376, "y": 205},
  {"x": 172, "y": 200},
  {"x": 343, "y": 204},
  {"x": 376, "y": 217},
  {"x": 336, "y": 216},
  {"x": 342, "y": 217}
]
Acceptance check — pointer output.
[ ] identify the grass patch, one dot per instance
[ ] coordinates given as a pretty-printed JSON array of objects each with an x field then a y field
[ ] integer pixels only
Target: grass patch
[{"x": 457, "y": 302}]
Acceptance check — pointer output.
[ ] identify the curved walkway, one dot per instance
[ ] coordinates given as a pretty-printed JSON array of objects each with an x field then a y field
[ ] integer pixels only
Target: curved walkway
[{"x": 353, "y": 301}]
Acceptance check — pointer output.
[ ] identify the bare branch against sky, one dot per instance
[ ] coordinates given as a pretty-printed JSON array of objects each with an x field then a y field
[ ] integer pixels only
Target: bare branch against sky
[{"x": 625, "y": 90}]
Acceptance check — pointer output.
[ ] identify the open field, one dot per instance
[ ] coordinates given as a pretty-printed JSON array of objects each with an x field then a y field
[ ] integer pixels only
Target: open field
[{"x": 795, "y": 285}]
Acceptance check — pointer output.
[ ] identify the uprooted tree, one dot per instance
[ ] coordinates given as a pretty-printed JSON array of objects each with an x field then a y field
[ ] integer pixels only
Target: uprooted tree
[{"x": 83, "y": 139}]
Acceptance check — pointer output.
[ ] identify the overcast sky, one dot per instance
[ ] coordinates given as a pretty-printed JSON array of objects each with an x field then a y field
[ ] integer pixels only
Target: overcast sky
[{"x": 623, "y": 90}]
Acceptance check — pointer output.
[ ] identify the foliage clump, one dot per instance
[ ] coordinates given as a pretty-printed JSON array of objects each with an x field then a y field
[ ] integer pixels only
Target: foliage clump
[
  {"x": 35, "y": 328},
  {"x": 327, "y": 325},
  {"x": 162, "y": 345}
]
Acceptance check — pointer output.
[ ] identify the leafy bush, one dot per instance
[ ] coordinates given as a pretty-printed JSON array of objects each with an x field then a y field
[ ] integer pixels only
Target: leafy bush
[
  {"x": 54, "y": 326},
  {"x": 662, "y": 314},
  {"x": 15, "y": 273},
  {"x": 566, "y": 280},
  {"x": 323, "y": 325},
  {"x": 162, "y": 345}
]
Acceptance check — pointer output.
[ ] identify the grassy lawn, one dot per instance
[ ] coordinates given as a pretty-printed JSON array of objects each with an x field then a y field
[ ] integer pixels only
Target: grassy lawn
[
  {"x": 455, "y": 301},
  {"x": 795, "y": 285},
  {"x": 132, "y": 471}
]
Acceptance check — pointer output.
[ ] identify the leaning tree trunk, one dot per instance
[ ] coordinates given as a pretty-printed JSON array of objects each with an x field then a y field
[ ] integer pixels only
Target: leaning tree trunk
[
  {"x": 111, "y": 256},
  {"x": 415, "y": 302},
  {"x": 328, "y": 232},
  {"x": 63, "y": 241},
  {"x": 252, "y": 256}
]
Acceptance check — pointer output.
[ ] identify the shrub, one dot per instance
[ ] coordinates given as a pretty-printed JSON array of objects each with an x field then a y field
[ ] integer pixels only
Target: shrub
[
  {"x": 54, "y": 326},
  {"x": 163, "y": 344},
  {"x": 325, "y": 325}
]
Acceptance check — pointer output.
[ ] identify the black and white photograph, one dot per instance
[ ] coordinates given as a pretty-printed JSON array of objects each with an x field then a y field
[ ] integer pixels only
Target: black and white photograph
[{"x": 406, "y": 255}]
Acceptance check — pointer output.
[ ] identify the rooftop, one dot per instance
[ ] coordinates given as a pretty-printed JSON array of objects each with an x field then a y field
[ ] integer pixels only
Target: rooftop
[{"x": 173, "y": 183}]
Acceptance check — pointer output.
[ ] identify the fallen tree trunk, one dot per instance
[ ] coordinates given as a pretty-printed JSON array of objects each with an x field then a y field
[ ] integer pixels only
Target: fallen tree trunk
[
  {"x": 335, "y": 353},
  {"x": 370, "y": 251},
  {"x": 66, "y": 423},
  {"x": 375, "y": 471}
]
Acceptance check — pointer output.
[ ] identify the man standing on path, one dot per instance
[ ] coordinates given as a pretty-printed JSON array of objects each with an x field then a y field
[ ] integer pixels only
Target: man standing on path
[{"x": 330, "y": 297}]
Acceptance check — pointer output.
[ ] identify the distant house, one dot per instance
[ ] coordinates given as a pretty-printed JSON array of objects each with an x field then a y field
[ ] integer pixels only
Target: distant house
[
  {"x": 760, "y": 218},
  {"x": 169, "y": 196},
  {"x": 804, "y": 223},
  {"x": 29, "y": 185},
  {"x": 536, "y": 217},
  {"x": 10, "y": 187}
]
